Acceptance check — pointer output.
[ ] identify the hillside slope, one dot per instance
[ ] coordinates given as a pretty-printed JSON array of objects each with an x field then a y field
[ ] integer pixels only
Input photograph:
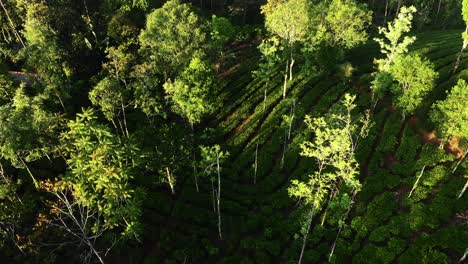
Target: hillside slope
[{"x": 260, "y": 222}]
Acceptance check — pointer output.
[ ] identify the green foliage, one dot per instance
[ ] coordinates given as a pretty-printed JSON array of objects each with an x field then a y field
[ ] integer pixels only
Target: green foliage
[
  {"x": 395, "y": 44},
  {"x": 415, "y": 77},
  {"x": 27, "y": 131},
  {"x": 344, "y": 24},
  {"x": 287, "y": 19},
  {"x": 451, "y": 115},
  {"x": 173, "y": 35},
  {"x": 43, "y": 52},
  {"x": 192, "y": 92},
  {"x": 101, "y": 169},
  {"x": 108, "y": 95},
  {"x": 333, "y": 148},
  {"x": 222, "y": 30},
  {"x": 465, "y": 11},
  {"x": 210, "y": 156}
]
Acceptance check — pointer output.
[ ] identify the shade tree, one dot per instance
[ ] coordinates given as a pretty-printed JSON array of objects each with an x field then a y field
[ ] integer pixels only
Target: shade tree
[
  {"x": 112, "y": 94},
  {"x": 210, "y": 165},
  {"x": 191, "y": 94},
  {"x": 332, "y": 148},
  {"x": 28, "y": 132},
  {"x": 343, "y": 24},
  {"x": 173, "y": 35},
  {"x": 394, "y": 43},
  {"x": 100, "y": 172},
  {"x": 289, "y": 20},
  {"x": 43, "y": 54},
  {"x": 414, "y": 77},
  {"x": 451, "y": 117}
]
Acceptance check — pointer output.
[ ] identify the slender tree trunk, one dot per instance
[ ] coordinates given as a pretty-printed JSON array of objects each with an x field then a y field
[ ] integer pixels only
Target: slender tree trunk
[
  {"x": 29, "y": 172},
  {"x": 400, "y": 2},
  {"x": 465, "y": 43},
  {"x": 460, "y": 161},
  {"x": 416, "y": 183},
  {"x": 304, "y": 242},
  {"x": 213, "y": 192},
  {"x": 124, "y": 117},
  {"x": 438, "y": 10},
  {"x": 386, "y": 12},
  {"x": 340, "y": 229},
  {"x": 61, "y": 102},
  {"x": 285, "y": 79},
  {"x": 12, "y": 25},
  {"x": 291, "y": 65},
  {"x": 219, "y": 195},
  {"x": 291, "y": 119},
  {"x": 464, "y": 256},
  {"x": 463, "y": 190},
  {"x": 326, "y": 209},
  {"x": 170, "y": 180},
  {"x": 122, "y": 130}
]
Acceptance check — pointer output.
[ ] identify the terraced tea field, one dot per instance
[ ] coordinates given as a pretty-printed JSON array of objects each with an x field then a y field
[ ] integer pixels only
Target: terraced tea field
[{"x": 261, "y": 224}]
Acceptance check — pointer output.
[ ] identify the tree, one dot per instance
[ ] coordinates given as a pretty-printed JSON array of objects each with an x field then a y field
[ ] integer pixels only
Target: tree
[
  {"x": 394, "y": 43},
  {"x": 27, "y": 131},
  {"x": 173, "y": 35},
  {"x": 222, "y": 31},
  {"x": 100, "y": 171},
  {"x": 269, "y": 48},
  {"x": 333, "y": 147},
  {"x": 211, "y": 158},
  {"x": 451, "y": 116},
  {"x": 464, "y": 34},
  {"x": 415, "y": 77},
  {"x": 290, "y": 21},
  {"x": 344, "y": 24},
  {"x": 43, "y": 52},
  {"x": 111, "y": 94},
  {"x": 81, "y": 223},
  {"x": 191, "y": 92}
]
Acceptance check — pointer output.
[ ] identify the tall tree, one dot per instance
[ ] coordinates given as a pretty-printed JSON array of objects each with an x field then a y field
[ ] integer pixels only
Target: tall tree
[
  {"x": 192, "y": 91},
  {"x": 415, "y": 77},
  {"x": 44, "y": 53},
  {"x": 27, "y": 131},
  {"x": 100, "y": 171},
  {"x": 451, "y": 115},
  {"x": 290, "y": 21},
  {"x": 332, "y": 148},
  {"x": 112, "y": 93},
  {"x": 344, "y": 24},
  {"x": 211, "y": 159},
  {"x": 394, "y": 42},
  {"x": 173, "y": 34}
]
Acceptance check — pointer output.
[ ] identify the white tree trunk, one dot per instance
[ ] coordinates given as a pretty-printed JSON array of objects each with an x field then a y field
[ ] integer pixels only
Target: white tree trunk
[
  {"x": 285, "y": 79},
  {"x": 416, "y": 183},
  {"x": 304, "y": 242}
]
